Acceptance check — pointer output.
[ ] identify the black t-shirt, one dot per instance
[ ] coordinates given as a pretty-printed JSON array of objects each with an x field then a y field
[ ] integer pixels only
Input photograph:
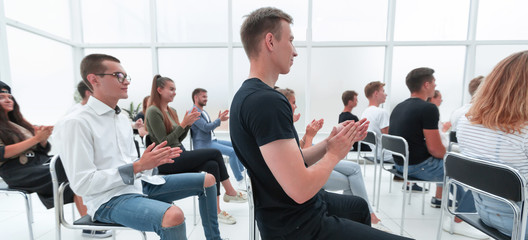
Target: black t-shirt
[
  {"x": 345, "y": 116},
  {"x": 408, "y": 120},
  {"x": 260, "y": 115}
]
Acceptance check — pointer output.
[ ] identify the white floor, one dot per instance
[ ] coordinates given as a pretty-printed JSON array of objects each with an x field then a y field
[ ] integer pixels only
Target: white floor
[{"x": 423, "y": 227}]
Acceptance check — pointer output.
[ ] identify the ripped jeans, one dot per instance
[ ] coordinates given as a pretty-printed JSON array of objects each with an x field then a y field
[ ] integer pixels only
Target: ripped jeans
[{"x": 145, "y": 213}]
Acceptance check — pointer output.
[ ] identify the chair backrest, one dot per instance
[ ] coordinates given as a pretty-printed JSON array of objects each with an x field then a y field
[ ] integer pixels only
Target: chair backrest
[
  {"x": 494, "y": 178},
  {"x": 370, "y": 138},
  {"x": 395, "y": 144},
  {"x": 191, "y": 145},
  {"x": 453, "y": 137},
  {"x": 148, "y": 141}
]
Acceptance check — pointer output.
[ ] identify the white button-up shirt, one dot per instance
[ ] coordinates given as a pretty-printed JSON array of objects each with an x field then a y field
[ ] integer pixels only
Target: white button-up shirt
[{"x": 95, "y": 145}]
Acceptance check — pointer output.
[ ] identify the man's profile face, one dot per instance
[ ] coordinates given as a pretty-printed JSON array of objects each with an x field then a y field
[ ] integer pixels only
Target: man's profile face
[
  {"x": 355, "y": 101},
  {"x": 285, "y": 51},
  {"x": 381, "y": 95},
  {"x": 108, "y": 85},
  {"x": 201, "y": 99},
  {"x": 430, "y": 87}
]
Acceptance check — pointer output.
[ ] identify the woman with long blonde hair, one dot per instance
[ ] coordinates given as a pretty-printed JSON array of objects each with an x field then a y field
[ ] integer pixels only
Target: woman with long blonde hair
[
  {"x": 496, "y": 129},
  {"x": 163, "y": 124}
]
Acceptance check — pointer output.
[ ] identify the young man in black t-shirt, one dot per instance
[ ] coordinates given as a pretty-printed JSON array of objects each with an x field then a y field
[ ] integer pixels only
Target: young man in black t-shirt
[
  {"x": 350, "y": 101},
  {"x": 287, "y": 181},
  {"x": 417, "y": 121}
]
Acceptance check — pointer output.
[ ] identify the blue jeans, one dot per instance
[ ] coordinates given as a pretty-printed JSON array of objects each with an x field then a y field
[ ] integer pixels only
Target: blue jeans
[
  {"x": 432, "y": 169},
  {"x": 145, "y": 213},
  {"x": 495, "y": 213},
  {"x": 347, "y": 176},
  {"x": 226, "y": 148}
]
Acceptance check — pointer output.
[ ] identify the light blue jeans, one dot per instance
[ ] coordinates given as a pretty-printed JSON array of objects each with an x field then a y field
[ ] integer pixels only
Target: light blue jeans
[
  {"x": 226, "y": 148},
  {"x": 495, "y": 213},
  {"x": 145, "y": 213},
  {"x": 432, "y": 169},
  {"x": 347, "y": 176}
]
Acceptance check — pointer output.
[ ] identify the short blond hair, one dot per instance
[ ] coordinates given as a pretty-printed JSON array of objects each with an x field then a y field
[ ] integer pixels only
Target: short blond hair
[
  {"x": 373, "y": 87},
  {"x": 501, "y": 102}
]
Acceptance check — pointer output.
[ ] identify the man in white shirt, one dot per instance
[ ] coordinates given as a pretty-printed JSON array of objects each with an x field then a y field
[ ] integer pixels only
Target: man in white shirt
[
  {"x": 378, "y": 117},
  {"x": 459, "y": 112},
  {"x": 97, "y": 148}
]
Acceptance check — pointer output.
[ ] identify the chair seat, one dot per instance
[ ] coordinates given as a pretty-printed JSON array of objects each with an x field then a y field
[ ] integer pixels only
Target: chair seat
[
  {"x": 87, "y": 220},
  {"x": 411, "y": 179},
  {"x": 5, "y": 187},
  {"x": 474, "y": 220},
  {"x": 371, "y": 159}
]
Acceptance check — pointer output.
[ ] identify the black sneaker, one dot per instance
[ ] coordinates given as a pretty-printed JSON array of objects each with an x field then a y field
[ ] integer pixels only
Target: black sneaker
[
  {"x": 416, "y": 188},
  {"x": 96, "y": 233},
  {"x": 437, "y": 203}
]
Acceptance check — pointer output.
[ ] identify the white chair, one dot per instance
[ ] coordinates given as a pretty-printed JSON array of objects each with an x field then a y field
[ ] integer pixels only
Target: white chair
[
  {"x": 398, "y": 146},
  {"x": 27, "y": 200},
  {"x": 253, "y": 228},
  {"x": 82, "y": 223}
]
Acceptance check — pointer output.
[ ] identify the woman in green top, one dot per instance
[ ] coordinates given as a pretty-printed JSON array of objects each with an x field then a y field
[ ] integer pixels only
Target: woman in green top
[{"x": 163, "y": 125}]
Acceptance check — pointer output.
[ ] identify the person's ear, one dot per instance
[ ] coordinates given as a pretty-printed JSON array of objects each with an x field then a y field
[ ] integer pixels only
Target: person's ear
[
  {"x": 92, "y": 78},
  {"x": 268, "y": 41},
  {"x": 159, "y": 89}
]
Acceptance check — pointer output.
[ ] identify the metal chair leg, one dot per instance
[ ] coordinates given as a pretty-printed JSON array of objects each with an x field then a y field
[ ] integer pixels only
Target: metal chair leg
[
  {"x": 29, "y": 213},
  {"x": 194, "y": 212}
]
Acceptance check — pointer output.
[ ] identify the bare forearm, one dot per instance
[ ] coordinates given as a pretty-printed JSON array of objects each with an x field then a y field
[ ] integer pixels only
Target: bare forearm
[
  {"x": 314, "y": 153},
  {"x": 17, "y": 148},
  {"x": 314, "y": 179}
]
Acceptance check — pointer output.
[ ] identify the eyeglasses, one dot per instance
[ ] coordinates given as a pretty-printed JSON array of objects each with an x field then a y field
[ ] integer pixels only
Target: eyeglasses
[{"x": 119, "y": 75}]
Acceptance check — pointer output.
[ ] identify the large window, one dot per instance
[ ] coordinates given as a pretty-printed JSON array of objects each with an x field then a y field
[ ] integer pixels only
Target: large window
[{"x": 41, "y": 76}]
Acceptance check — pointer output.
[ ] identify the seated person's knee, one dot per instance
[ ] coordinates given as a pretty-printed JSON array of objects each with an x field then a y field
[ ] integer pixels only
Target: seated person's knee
[
  {"x": 209, "y": 180},
  {"x": 173, "y": 217}
]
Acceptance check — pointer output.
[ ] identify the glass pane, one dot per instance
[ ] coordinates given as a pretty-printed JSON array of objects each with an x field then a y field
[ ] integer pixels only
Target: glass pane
[
  {"x": 350, "y": 69},
  {"x": 197, "y": 68},
  {"x": 502, "y": 20},
  {"x": 190, "y": 21},
  {"x": 448, "y": 63},
  {"x": 115, "y": 21},
  {"x": 39, "y": 14},
  {"x": 138, "y": 65},
  {"x": 488, "y": 56},
  {"x": 431, "y": 20},
  {"x": 42, "y": 83},
  {"x": 298, "y": 9},
  {"x": 296, "y": 80},
  {"x": 363, "y": 20}
]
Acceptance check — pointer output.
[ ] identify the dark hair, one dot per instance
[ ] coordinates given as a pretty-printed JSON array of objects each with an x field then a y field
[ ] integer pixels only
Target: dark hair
[
  {"x": 8, "y": 133},
  {"x": 145, "y": 104},
  {"x": 196, "y": 92},
  {"x": 82, "y": 88},
  {"x": 417, "y": 77},
  {"x": 474, "y": 84},
  {"x": 348, "y": 95},
  {"x": 373, "y": 87},
  {"x": 258, "y": 23},
  {"x": 155, "y": 99},
  {"x": 93, "y": 63}
]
